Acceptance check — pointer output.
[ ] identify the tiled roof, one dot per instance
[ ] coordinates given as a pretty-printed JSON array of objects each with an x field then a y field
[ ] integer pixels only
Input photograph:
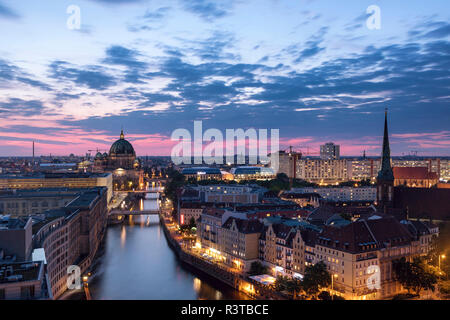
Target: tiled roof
[
  {"x": 281, "y": 230},
  {"x": 366, "y": 235},
  {"x": 420, "y": 173},
  {"x": 244, "y": 226},
  {"x": 214, "y": 212}
]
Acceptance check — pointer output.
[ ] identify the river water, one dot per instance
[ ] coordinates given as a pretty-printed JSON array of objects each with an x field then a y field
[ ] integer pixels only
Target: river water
[{"x": 137, "y": 263}]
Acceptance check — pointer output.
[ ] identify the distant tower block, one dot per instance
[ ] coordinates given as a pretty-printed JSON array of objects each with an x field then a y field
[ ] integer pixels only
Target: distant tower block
[{"x": 329, "y": 151}]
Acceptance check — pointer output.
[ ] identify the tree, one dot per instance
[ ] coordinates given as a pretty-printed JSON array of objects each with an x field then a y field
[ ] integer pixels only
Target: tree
[
  {"x": 176, "y": 181},
  {"x": 324, "y": 295},
  {"x": 316, "y": 277},
  {"x": 280, "y": 283},
  {"x": 281, "y": 182},
  {"x": 256, "y": 268},
  {"x": 192, "y": 223},
  {"x": 299, "y": 183},
  {"x": 414, "y": 276},
  {"x": 286, "y": 284}
]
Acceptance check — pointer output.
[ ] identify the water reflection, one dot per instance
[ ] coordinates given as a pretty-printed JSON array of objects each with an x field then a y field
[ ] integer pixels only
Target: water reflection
[
  {"x": 123, "y": 237},
  {"x": 146, "y": 268}
]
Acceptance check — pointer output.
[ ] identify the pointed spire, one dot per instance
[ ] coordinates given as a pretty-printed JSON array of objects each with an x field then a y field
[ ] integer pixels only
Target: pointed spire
[
  {"x": 386, "y": 169},
  {"x": 122, "y": 136}
]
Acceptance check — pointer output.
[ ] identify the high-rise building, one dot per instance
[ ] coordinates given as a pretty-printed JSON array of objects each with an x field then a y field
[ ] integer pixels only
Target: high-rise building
[
  {"x": 329, "y": 151},
  {"x": 286, "y": 162},
  {"x": 322, "y": 171}
]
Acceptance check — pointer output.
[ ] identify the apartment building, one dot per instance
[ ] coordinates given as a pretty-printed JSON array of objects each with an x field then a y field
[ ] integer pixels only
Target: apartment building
[
  {"x": 23, "y": 281},
  {"x": 341, "y": 193},
  {"x": 285, "y": 246},
  {"x": 322, "y": 171},
  {"x": 330, "y": 151},
  {"x": 71, "y": 236},
  {"x": 15, "y": 238},
  {"x": 189, "y": 211},
  {"x": 359, "y": 255},
  {"x": 239, "y": 242},
  {"x": 285, "y": 162},
  {"x": 363, "y": 169},
  {"x": 333, "y": 170},
  {"x": 230, "y": 193}
]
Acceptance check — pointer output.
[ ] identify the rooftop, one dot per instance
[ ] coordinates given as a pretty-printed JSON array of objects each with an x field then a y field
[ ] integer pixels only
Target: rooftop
[
  {"x": 244, "y": 226},
  {"x": 201, "y": 170},
  {"x": 41, "y": 175},
  {"x": 365, "y": 235},
  {"x": 214, "y": 212},
  {"x": 40, "y": 192},
  {"x": 12, "y": 223},
  {"x": 85, "y": 199},
  {"x": 420, "y": 173},
  {"x": 24, "y": 271}
]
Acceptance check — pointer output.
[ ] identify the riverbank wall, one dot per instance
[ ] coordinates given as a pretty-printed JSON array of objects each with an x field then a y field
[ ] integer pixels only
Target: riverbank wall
[{"x": 213, "y": 270}]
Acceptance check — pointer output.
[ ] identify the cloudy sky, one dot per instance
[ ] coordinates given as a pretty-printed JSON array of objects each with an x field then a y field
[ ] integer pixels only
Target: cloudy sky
[{"x": 311, "y": 68}]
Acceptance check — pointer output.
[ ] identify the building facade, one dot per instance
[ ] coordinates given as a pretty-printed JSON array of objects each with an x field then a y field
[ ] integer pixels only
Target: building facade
[
  {"x": 341, "y": 193},
  {"x": 121, "y": 161},
  {"x": 329, "y": 151},
  {"x": 71, "y": 236},
  {"x": 358, "y": 255},
  {"x": 414, "y": 177},
  {"x": 23, "y": 281},
  {"x": 252, "y": 173},
  {"x": 53, "y": 180}
]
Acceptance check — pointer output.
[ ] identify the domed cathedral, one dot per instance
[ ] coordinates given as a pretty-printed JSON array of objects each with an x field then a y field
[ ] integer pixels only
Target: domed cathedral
[
  {"x": 122, "y": 162},
  {"x": 122, "y": 154}
]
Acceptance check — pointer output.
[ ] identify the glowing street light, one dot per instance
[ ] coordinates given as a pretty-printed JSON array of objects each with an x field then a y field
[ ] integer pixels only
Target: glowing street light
[
  {"x": 441, "y": 256},
  {"x": 332, "y": 285}
]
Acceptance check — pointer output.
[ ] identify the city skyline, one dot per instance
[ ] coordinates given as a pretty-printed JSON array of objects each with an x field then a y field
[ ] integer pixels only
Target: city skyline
[{"x": 317, "y": 73}]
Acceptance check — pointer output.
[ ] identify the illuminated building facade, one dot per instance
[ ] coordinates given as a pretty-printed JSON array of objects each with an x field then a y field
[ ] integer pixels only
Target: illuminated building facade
[
  {"x": 329, "y": 151},
  {"x": 322, "y": 171},
  {"x": 58, "y": 180},
  {"x": 71, "y": 236},
  {"x": 122, "y": 162},
  {"x": 414, "y": 177}
]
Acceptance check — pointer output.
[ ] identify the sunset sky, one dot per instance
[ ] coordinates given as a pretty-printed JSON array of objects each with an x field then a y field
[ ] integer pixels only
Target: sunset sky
[{"x": 310, "y": 68}]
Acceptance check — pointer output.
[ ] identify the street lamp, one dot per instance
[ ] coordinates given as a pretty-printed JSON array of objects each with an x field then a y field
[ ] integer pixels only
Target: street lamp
[
  {"x": 443, "y": 257},
  {"x": 332, "y": 285}
]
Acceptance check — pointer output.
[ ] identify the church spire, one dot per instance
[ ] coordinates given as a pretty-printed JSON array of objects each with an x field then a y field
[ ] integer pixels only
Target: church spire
[
  {"x": 386, "y": 169},
  {"x": 122, "y": 136}
]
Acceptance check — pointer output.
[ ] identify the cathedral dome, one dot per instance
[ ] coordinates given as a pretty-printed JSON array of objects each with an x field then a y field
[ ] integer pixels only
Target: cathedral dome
[
  {"x": 98, "y": 156},
  {"x": 122, "y": 147}
]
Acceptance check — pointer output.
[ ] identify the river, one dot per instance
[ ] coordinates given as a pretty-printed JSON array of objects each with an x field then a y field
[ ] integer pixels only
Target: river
[{"x": 137, "y": 263}]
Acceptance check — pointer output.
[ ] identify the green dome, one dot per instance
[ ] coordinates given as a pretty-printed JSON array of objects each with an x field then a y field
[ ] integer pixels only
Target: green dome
[
  {"x": 122, "y": 147},
  {"x": 98, "y": 156}
]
